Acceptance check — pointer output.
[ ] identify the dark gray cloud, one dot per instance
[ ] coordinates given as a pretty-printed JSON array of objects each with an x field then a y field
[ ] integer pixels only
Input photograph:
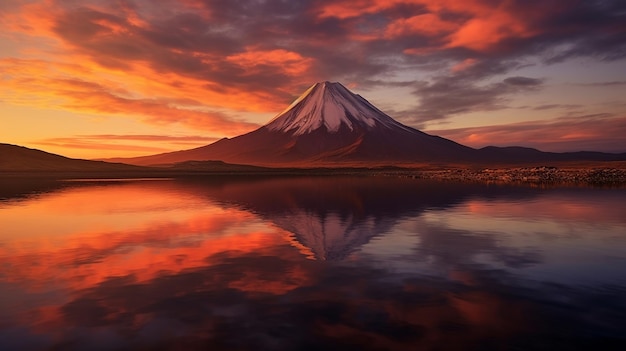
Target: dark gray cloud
[
  {"x": 553, "y": 106},
  {"x": 615, "y": 83},
  {"x": 450, "y": 95},
  {"x": 522, "y": 81}
]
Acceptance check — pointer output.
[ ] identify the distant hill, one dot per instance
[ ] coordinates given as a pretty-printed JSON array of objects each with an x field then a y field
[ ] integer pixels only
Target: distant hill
[
  {"x": 518, "y": 154},
  {"x": 15, "y": 158}
]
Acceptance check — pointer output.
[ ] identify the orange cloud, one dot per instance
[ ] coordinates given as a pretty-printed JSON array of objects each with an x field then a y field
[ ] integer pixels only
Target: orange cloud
[
  {"x": 480, "y": 26},
  {"x": 464, "y": 65},
  {"x": 104, "y": 64},
  {"x": 291, "y": 62},
  {"x": 347, "y": 9},
  {"x": 485, "y": 32},
  {"x": 426, "y": 24},
  {"x": 44, "y": 84},
  {"x": 487, "y": 24}
]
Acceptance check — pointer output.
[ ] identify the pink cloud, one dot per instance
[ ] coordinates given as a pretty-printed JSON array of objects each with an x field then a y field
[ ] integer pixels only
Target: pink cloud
[{"x": 567, "y": 134}]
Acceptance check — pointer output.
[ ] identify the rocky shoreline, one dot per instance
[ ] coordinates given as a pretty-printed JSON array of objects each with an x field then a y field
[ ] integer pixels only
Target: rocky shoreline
[
  {"x": 598, "y": 176},
  {"x": 530, "y": 175}
]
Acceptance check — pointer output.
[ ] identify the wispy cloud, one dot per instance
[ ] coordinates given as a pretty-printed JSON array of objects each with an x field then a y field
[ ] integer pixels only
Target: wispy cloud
[
  {"x": 463, "y": 93},
  {"x": 138, "y": 143},
  {"x": 615, "y": 83},
  {"x": 68, "y": 87},
  {"x": 579, "y": 133}
]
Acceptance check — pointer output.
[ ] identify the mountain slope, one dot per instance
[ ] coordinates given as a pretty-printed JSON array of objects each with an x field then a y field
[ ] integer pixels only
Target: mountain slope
[
  {"x": 15, "y": 158},
  {"x": 327, "y": 124}
]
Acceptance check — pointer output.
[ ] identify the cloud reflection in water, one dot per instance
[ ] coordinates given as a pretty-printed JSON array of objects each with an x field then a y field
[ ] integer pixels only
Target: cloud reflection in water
[{"x": 311, "y": 263}]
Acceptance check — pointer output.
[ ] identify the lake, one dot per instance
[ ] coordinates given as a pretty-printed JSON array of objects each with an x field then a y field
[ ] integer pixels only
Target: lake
[{"x": 310, "y": 263}]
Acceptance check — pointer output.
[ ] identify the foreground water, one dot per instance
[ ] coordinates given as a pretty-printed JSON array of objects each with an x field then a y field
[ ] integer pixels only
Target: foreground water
[{"x": 310, "y": 264}]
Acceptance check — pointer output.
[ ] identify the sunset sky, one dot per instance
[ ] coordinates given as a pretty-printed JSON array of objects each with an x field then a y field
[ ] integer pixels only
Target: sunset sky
[{"x": 112, "y": 78}]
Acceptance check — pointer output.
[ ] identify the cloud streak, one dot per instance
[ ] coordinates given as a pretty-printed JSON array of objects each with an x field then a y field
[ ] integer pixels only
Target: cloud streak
[
  {"x": 139, "y": 143},
  {"x": 589, "y": 133}
]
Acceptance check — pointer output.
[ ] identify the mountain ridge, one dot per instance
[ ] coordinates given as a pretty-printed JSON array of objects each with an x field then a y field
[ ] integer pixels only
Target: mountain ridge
[
  {"x": 15, "y": 158},
  {"x": 26, "y": 162}
]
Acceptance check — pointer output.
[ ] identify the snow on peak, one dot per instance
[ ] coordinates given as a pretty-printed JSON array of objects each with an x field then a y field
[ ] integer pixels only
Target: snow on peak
[{"x": 330, "y": 105}]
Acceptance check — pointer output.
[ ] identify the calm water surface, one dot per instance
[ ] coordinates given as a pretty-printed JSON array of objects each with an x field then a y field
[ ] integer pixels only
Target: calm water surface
[{"x": 310, "y": 264}]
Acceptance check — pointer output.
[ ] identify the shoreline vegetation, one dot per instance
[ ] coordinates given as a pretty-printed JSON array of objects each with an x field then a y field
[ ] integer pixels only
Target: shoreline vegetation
[{"x": 548, "y": 175}]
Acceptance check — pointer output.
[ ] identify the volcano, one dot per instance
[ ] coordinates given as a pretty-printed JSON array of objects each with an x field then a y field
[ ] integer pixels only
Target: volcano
[{"x": 327, "y": 124}]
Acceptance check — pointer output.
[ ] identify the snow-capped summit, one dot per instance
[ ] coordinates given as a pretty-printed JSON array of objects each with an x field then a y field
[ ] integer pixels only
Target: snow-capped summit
[
  {"x": 327, "y": 125},
  {"x": 330, "y": 105}
]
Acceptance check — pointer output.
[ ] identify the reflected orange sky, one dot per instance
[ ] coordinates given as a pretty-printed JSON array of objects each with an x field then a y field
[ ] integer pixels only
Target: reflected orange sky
[
  {"x": 83, "y": 236},
  {"x": 187, "y": 261},
  {"x": 155, "y": 77}
]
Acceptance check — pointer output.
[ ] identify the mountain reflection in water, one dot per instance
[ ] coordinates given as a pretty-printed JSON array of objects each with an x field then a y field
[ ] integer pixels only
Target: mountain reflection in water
[{"x": 365, "y": 263}]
